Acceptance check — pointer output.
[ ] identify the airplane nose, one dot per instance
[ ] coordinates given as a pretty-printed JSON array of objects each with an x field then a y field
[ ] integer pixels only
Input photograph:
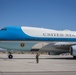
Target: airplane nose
[{"x": 3, "y": 35}]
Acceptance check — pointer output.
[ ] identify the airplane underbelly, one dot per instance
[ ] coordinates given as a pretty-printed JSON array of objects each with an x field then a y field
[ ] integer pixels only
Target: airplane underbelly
[{"x": 17, "y": 45}]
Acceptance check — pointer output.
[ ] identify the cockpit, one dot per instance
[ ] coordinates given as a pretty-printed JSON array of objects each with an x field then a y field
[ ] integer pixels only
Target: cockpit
[{"x": 3, "y": 29}]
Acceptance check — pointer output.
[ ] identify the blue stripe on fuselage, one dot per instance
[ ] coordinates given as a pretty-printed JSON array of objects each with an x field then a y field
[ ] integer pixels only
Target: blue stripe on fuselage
[
  {"x": 15, "y": 33},
  {"x": 12, "y": 33}
]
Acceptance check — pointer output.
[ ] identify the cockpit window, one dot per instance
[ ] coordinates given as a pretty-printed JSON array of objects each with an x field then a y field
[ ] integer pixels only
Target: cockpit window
[{"x": 3, "y": 29}]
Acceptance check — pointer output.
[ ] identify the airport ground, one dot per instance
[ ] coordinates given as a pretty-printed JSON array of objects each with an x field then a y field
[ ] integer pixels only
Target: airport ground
[{"x": 25, "y": 64}]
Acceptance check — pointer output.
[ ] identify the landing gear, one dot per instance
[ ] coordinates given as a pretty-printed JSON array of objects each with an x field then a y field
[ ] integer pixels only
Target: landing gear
[
  {"x": 10, "y": 56},
  {"x": 74, "y": 57}
]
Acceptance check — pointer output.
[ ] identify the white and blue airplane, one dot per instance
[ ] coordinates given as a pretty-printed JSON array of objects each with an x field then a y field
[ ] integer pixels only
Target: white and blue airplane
[{"x": 24, "y": 38}]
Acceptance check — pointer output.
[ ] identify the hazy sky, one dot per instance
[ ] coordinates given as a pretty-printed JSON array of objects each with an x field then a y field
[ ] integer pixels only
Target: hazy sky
[{"x": 55, "y": 14}]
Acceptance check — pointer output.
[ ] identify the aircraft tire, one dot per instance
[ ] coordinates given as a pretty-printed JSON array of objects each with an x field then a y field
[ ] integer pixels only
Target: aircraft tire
[
  {"x": 74, "y": 57},
  {"x": 10, "y": 56}
]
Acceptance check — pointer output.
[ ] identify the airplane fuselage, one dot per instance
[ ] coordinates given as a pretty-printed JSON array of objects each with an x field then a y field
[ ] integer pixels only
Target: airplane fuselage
[{"x": 25, "y": 38}]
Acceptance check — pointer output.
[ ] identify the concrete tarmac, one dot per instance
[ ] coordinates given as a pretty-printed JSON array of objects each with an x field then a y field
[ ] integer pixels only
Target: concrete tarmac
[
  {"x": 26, "y": 63},
  {"x": 39, "y": 73}
]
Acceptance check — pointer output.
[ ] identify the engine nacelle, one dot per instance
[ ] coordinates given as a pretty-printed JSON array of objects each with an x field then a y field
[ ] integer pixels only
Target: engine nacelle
[{"x": 73, "y": 50}]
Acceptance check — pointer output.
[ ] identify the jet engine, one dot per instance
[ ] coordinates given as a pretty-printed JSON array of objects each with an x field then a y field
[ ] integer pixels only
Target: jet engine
[{"x": 73, "y": 50}]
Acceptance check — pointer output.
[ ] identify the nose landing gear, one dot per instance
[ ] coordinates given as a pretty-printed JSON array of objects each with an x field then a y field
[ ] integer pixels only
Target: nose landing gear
[{"x": 10, "y": 56}]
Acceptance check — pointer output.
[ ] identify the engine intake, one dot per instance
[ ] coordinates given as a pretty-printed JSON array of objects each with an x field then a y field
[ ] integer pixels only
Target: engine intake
[{"x": 73, "y": 50}]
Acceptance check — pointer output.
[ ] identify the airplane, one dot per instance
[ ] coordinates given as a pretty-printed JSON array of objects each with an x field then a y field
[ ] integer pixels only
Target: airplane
[{"x": 22, "y": 38}]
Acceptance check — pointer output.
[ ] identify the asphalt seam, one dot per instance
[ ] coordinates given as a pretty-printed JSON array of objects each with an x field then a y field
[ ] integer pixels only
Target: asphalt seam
[
  {"x": 1, "y": 72},
  {"x": 37, "y": 72}
]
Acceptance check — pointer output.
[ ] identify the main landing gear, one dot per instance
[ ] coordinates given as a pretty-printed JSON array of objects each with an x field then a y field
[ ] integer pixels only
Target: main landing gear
[
  {"x": 10, "y": 56},
  {"x": 74, "y": 57}
]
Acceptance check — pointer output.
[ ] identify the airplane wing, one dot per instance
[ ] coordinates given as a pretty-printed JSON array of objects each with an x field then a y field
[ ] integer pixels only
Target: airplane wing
[{"x": 59, "y": 47}]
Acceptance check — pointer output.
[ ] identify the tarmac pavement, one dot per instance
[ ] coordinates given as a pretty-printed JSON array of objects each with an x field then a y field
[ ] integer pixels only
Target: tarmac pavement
[{"x": 22, "y": 63}]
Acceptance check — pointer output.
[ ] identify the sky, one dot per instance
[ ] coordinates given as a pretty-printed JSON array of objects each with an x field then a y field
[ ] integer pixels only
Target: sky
[{"x": 52, "y": 14}]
